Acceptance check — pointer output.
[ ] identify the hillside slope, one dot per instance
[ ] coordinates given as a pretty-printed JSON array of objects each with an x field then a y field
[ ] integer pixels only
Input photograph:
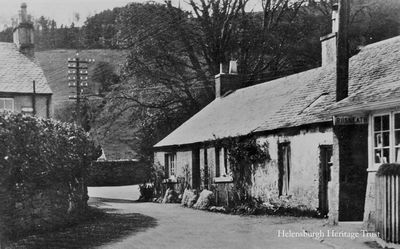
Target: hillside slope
[{"x": 117, "y": 144}]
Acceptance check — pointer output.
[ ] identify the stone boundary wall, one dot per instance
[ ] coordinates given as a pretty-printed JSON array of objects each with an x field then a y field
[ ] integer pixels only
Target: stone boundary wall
[
  {"x": 47, "y": 208},
  {"x": 118, "y": 173}
]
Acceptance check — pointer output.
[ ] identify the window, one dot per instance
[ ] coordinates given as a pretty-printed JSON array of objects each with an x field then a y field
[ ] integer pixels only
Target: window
[
  {"x": 222, "y": 167},
  {"x": 284, "y": 168},
  {"x": 382, "y": 138},
  {"x": 397, "y": 136},
  {"x": 170, "y": 164},
  {"x": 7, "y": 104},
  {"x": 386, "y": 138}
]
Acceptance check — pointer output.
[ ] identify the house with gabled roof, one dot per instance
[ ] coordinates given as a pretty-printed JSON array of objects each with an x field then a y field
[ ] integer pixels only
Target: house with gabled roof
[
  {"x": 293, "y": 114},
  {"x": 23, "y": 85}
]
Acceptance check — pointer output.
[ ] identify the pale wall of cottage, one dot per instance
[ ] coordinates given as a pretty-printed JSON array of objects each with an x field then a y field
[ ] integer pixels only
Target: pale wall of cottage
[
  {"x": 26, "y": 101},
  {"x": 305, "y": 165},
  {"x": 183, "y": 163},
  {"x": 304, "y": 169}
]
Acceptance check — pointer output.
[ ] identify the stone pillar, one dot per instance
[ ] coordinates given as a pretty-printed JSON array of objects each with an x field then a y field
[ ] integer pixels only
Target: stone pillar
[
  {"x": 333, "y": 185},
  {"x": 369, "y": 208}
]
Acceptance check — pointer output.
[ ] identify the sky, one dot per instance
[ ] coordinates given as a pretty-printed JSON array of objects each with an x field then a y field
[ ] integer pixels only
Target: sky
[{"x": 63, "y": 11}]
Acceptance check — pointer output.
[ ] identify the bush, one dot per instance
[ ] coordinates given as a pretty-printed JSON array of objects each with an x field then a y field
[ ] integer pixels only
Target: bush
[
  {"x": 389, "y": 169},
  {"x": 146, "y": 192},
  {"x": 43, "y": 166},
  {"x": 254, "y": 206}
]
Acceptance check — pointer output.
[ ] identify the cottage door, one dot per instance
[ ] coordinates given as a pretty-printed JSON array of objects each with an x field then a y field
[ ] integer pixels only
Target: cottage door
[
  {"x": 324, "y": 177},
  {"x": 284, "y": 167},
  {"x": 196, "y": 178}
]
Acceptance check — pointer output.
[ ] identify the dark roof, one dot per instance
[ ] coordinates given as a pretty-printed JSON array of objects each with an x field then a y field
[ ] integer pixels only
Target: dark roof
[
  {"x": 291, "y": 101},
  {"x": 17, "y": 72}
]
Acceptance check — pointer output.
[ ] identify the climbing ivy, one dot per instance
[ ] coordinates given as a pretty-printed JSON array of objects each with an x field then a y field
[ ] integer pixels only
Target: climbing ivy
[{"x": 244, "y": 155}]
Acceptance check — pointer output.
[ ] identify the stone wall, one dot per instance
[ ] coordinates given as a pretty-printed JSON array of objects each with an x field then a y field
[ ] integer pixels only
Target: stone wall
[
  {"x": 304, "y": 169},
  {"x": 48, "y": 208},
  {"x": 118, "y": 173}
]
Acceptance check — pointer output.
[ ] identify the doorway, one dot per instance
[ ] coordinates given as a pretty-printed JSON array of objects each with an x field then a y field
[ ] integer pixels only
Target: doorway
[
  {"x": 196, "y": 169},
  {"x": 325, "y": 159}
]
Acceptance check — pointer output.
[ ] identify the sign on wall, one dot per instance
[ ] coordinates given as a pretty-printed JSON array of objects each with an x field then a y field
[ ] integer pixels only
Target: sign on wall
[{"x": 350, "y": 120}]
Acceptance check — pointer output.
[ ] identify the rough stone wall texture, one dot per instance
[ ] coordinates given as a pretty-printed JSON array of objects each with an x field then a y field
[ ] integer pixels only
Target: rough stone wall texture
[
  {"x": 333, "y": 185},
  {"x": 304, "y": 169},
  {"x": 370, "y": 206},
  {"x": 47, "y": 208},
  {"x": 159, "y": 158},
  {"x": 118, "y": 173}
]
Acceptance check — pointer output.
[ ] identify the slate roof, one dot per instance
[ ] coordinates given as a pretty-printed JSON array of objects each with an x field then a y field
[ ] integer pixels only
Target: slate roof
[
  {"x": 18, "y": 71},
  {"x": 382, "y": 80},
  {"x": 292, "y": 101}
]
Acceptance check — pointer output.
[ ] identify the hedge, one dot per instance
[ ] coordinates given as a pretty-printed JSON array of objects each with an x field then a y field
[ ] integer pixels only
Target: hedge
[
  {"x": 43, "y": 167},
  {"x": 118, "y": 173},
  {"x": 389, "y": 169}
]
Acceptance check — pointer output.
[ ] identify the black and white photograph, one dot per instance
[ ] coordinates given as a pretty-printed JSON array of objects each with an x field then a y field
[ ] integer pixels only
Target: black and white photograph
[{"x": 201, "y": 124}]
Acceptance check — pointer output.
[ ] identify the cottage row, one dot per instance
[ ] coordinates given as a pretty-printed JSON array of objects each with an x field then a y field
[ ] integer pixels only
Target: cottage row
[{"x": 324, "y": 152}]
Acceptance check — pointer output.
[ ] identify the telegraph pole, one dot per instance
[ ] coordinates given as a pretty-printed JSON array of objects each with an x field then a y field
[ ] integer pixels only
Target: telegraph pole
[{"x": 78, "y": 79}]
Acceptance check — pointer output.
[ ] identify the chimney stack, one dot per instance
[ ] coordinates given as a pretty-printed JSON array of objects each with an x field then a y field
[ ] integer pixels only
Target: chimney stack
[
  {"x": 23, "y": 32},
  {"x": 342, "y": 62},
  {"x": 328, "y": 42},
  {"x": 227, "y": 82}
]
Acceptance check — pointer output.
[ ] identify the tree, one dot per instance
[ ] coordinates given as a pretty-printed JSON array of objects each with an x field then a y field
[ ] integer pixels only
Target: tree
[
  {"x": 175, "y": 54},
  {"x": 100, "y": 30},
  {"x": 6, "y": 35},
  {"x": 104, "y": 73}
]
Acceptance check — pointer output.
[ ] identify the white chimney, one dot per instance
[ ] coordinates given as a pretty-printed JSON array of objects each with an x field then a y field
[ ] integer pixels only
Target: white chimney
[
  {"x": 227, "y": 82},
  {"x": 233, "y": 67},
  {"x": 328, "y": 42},
  {"x": 335, "y": 18},
  {"x": 23, "y": 32}
]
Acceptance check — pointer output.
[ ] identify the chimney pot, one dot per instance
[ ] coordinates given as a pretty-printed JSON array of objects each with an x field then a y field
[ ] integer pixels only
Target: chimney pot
[
  {"x": 335, "y": 18},
  {"x": 23, "y": 32},
  {"x": 328, "y": 42},
  {"x": 227, "y": 82},
  {"x": 233, "y": 67}
]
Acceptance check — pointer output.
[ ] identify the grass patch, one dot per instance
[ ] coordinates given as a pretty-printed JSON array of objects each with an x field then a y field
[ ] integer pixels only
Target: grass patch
[{"x": 96, "y": 229}]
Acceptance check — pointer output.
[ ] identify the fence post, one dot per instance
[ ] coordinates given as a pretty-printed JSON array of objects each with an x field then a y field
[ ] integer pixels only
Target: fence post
[{"x": 387, "y": 203}]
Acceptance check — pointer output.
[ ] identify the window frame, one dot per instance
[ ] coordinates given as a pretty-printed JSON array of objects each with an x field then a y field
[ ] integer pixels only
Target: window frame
[
  {"x": 392, "y": 138},
  {"x": 12, "y": 103},
  {"x": 223, "y": 171},
  {"x": 381, "y": 131},
  {"x": 171, "y": 160}
]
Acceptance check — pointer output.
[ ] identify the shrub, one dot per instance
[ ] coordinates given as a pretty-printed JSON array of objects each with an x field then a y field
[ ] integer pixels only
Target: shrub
[
  {"x": 43, "y": 166},
  {"x": 146, "y": 192},
  {"x": 389, "y": 169}
]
